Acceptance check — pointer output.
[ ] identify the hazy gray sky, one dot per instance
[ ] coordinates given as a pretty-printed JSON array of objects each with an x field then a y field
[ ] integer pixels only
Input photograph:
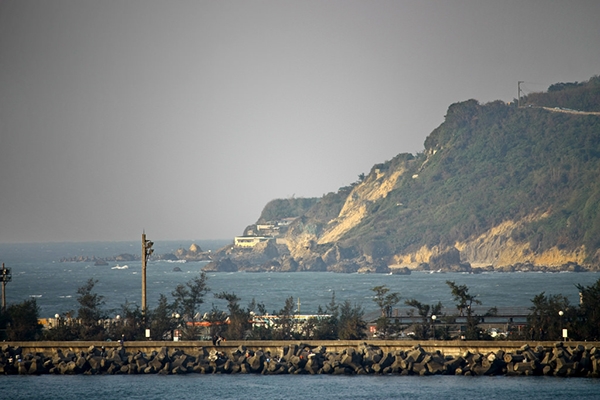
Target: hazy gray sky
[{"x": 184, "y": 118}]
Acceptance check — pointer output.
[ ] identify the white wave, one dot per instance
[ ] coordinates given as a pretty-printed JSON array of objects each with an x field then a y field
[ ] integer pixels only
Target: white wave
[
  {"x": 120, "y": 267},
  {"x": 35, "y": 295},
  {"x": 176, "y": 261}
]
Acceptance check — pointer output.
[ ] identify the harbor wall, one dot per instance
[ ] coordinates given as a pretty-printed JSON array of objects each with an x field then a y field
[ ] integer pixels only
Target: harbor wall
[
  {"x": 303, "y": 357},
  {"x": 447, "y": 347}
]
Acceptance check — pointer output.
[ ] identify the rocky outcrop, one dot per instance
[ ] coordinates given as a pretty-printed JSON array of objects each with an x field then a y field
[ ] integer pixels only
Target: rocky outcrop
[
  {"x": 449, "y": 261},
  {"x": 375, "y": 267},
  {"x": 312, "y": 263},
  {"x": 559, "y": 360},
  {"x": 224, "y": 265},
  {"x": 288, "y": 264},
  {"x": 345, "y": 266},
  {"x": 193, "y": 253}
]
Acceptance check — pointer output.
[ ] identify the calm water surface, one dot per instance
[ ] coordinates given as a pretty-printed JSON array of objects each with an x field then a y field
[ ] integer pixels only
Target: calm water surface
[{"x": 146, "y": 387}]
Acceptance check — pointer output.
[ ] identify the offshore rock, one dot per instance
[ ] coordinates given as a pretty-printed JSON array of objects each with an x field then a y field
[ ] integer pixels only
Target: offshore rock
[
  {"x": 448, "y": 261},
  {"x": 375, "y": 267},
  {"x": 225, "y": 265}
]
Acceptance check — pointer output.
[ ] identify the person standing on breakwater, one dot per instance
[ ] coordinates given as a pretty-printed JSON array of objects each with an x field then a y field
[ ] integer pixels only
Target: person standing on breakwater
[{"x": 122, "y": 341}]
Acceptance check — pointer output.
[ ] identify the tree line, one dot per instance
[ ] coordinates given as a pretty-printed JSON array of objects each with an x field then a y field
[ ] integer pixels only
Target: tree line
[{"x": 548, "y": 316}]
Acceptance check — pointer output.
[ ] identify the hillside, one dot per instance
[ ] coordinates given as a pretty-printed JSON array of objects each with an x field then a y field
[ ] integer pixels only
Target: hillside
[{"x": 496, "y": 186}]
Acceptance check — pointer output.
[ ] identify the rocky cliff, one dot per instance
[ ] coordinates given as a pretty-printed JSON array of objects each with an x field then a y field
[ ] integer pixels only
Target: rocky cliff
[{"x": 496, "y": 187}]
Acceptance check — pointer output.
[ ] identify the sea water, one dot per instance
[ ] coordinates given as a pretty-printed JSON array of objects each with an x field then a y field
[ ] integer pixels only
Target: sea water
[
  {"x": 37, "y": 272},
  {"x": 192, "y": 386}
]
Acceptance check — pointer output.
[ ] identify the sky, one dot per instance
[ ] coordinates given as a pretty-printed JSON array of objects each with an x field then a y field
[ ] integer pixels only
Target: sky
[{"x": 183, "y": 119}]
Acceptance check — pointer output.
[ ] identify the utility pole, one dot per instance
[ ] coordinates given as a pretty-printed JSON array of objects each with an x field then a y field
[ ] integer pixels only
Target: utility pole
[
  {"x": 6, "y": 277},
  {"x": 519, "y": 93},
  {"x": 147, "y": 251}
]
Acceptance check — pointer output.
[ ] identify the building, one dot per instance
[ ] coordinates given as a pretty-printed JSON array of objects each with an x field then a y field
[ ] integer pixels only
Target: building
[{"x": 250, "y": 241}]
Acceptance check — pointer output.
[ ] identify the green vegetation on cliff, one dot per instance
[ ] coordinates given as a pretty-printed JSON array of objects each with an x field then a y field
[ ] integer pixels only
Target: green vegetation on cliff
[
  {"x": 582, "y": 96},
  {"x": 286, "y": 208}
]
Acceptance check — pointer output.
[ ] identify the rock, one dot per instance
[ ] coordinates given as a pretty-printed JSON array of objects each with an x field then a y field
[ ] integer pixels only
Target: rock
[
  {"x": 313, "y": 263},
  {"x": 346, "y": 267},
  {"x": 400, "y": 271},
  {"x": 454, "y": 364},
  {"x": 351, "y": 358},
  {"x": 513, "y": 358},
  {"x": 448, "y": 261},
  {"x": 255, "y": 362},
  {"x": 416, "y": 355},
  {"x": 225, "y": 265},
  {"x": 288, "y": 264}
]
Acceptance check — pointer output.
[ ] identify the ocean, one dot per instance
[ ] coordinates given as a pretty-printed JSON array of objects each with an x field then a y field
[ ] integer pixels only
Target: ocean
[{"x": 37, "y": 272}]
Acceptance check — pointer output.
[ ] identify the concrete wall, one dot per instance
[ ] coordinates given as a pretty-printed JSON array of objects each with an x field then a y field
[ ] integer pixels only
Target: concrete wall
[{"x": 452, "y": 348}]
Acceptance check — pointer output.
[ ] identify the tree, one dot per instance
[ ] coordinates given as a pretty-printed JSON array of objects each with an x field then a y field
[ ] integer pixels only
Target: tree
[
  {"x": 64, "y": 330},
  {"x": 160, "y": 319},
  {"x": 386, "y": 303},
  {"x": 425, "y": 311},
  {"x": 286, "y": 324},
  {"x": 259, "y": 331},
  {"x": 90, "y": 312},
  {"x": 327, "y": 325},
  {"x": 464, "y": 305},
  {"x": 352, "y": 325},
  {"x": 308, "y": 328},
  {"x": 239, "y": 319},
  {"x": 544, "y": 321},
  {"x": 130, "y": 324},
  {"x": 188, "y": 298},
  {"x": 21, "y": 321},
  {"x": 257, "y": 308},
  {"x": 217, "y": 319},
  {"x": 589, "y": 312}
]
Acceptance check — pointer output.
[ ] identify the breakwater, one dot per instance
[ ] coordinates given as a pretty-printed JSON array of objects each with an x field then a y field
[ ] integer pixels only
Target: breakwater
[{"x": 309, "y": 357}]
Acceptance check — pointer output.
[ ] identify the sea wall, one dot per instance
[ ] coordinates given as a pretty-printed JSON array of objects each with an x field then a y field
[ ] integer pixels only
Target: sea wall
[{"x": 309, "y": 357}]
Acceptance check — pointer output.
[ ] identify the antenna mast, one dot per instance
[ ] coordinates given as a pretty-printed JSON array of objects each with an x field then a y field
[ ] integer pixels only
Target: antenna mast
[{"x": 519, "y": 93}]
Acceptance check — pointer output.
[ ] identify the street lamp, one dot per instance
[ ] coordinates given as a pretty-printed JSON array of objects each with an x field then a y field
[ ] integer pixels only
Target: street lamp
[
  {"x": 560, "y": 314},
  {"x": 5, "y": 276},
  {"x": 174, "y": 332},
  {"x": 433, "y": 318}
]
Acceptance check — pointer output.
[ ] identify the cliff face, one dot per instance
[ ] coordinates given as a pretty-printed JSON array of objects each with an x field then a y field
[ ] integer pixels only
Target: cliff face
[
  {"x": 376, "y": 186},
  {"x": 498, "y": 249},
  {"x": 495, "y": 186}
]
